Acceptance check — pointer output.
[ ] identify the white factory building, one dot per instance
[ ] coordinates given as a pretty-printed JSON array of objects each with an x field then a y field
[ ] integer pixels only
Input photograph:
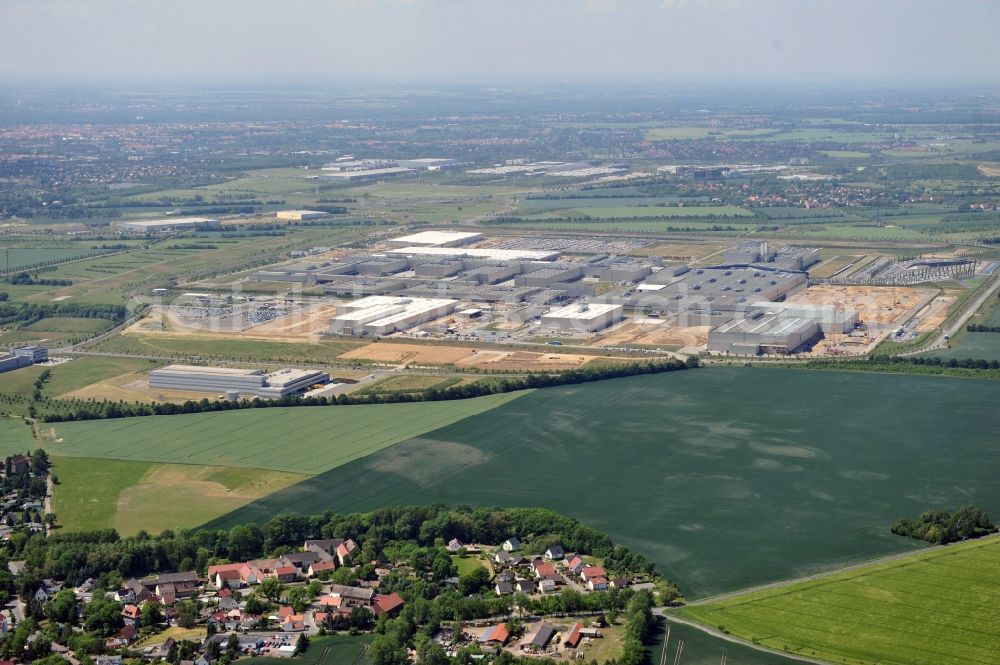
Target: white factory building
[
  {"x": 477, "y": 253},
  {"x": 436, "y": 239},
  {"x": 300, "y": 215},
  {"x": 588, "y": 317},
  {"x": 171, "y": 224},
  {"x": 383, "y": 315},
  {"x": 235, "y": 382}
]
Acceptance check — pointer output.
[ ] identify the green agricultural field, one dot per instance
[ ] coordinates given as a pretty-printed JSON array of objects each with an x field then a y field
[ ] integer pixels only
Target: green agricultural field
[
  {"x": 65, "y": 324},
  {"x": 295, "y": 439},
  {"x": 799, "y": 472},
  {"x": 975, "y": 345},
  {"x": 15, "y": 436},
  {"x": 134, "y": 496},
  {"x": 87, "y": 494},
  {"x": 13, "y": 258},
  {"x": 934, "y": 608},
  {"x": 665, "y": 212},
  {"x": 329, "y": 650},
  {"x": 701, "y": 648},
  {"x": 408, "y": 383}
]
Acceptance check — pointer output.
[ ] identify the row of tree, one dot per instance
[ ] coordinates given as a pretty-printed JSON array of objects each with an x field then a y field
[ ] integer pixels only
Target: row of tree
[
  {"x": 941, "y": 527},
  {"x": 102, "y": 410}
]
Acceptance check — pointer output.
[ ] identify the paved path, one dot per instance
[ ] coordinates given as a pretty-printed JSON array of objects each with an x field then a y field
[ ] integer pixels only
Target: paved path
[{"x": 970, "y": 308}]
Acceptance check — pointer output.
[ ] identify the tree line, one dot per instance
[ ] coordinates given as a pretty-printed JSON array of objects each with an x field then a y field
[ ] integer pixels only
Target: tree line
[
  {"x": 28, "y": 313},
  {"x": 941, "y": 527},
  {"x": 105, "y": 410}
]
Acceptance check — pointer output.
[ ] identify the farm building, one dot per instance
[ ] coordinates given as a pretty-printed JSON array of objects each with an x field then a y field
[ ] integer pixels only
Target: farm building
[
  {"x": 382, "y": 315},
  {"x": 435, "y": 239},
  {"x": 232, "y": 381},
  {"x": 300, "y": 215},
  {"x": 167, "y": 225},
  {"x": 583, "y": 316}
]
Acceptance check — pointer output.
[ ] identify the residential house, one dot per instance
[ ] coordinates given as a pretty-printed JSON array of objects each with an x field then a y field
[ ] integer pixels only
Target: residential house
[
  {"x": 287, "y": 574},
  {"x": 47, "y": 590},
  {"x": 524, "y": 586},
  {"x": 4, "y": 623},
  {"x": 512, "y": 544},
  {"x": 598, "y": 583},
  {"x": 132, "y": 592},
  {"x": 125, "y": 636},
  {"x": 300, "y": 560},
  {"x": 504, "y": 588},
  {"x": 352, "y": 596},
  {"x": 555, "y": 552},
  {"x": 389, "y": 604},
  {"x": 321, "y": 567},
  {"x": 169, "y": 587},
  {"x": 455, "y": 545},
  {"x": 108, "y": 660},
  {"x": 590, "y": 572},
  {"x": 575, "y": 564},
  {"x": 130, "y": 615},
  {"x": 505, "y": 576},
  {"x": 544, "y": 571},
  {"x": 546, "y": 586},
  {"x": 497, "y": 635},
  {"x": 502, "y": 557},
  {"x": 346, "y": 552}
]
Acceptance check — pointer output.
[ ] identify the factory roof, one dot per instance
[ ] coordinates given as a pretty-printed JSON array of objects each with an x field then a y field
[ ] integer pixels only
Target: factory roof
[
  {"x": 172, "y": 221},
  {"x": 287, "y": 376},
  {"x": 485, "y": 253},
  {"x": 766, "y": 325},
  {"x": 582, "y": 311},
  {"x": 432, "y": 238},
  {"x": 201, "y": 369}
]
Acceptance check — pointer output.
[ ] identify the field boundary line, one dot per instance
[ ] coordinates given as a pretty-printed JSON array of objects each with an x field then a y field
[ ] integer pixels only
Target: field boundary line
[
  {"x": 738, "y": 640},
  {"x": 837, "y": 571}
]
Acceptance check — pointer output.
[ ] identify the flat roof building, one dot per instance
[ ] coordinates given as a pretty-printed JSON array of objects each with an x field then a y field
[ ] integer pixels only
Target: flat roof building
[
  {"x": 383, "y": 315},
  {"x": 171, "y": 224},
  {"x": 587, "y": 317},
  {"x": 436, "y": 239},
  {"x": 480, "y": 253},
  {"x": 763, "y": 333},
  {"x": 245, "y": 382},
  {"x": 37, "y": 354},
  {"x": 300, "y": 215}
]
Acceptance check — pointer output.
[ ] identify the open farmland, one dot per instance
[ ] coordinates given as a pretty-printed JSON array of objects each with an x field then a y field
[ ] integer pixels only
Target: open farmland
[
  {"x": 297, "y": 440},
  {"x": 15, "y": 436},
  {"x": 805, "y": 470},
  {"x": 933, "y": 608},
  {"x": 12, "y": 258}
]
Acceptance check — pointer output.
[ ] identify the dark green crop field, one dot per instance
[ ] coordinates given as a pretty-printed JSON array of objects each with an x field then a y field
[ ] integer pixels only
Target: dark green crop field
[{"x": 725, "y": 477}]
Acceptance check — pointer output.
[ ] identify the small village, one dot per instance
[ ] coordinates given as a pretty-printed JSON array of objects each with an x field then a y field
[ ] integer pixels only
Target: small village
[{"x": 273, "y": 607}]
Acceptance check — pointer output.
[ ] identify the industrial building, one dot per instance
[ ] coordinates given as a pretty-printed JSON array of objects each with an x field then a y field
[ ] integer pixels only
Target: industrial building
[
  {"x": 167, "y": 225},
  {"x": 760, "y": 332},
  {"x": 753, "y": 252},
  {"x": 367, "y": 174},
  {"x": 37, "y": 354},
  {"x": 712, "y": 296},
  {"x": 481, "y": 253},
  {"x": 383, "y": 315},
  {"x": 23, "y": 356},
  {"x": 588, "y": 317},
  {"x": 300, "y": 215},
  {"x": 234, "y": 382},
  {"x": 436, "y": 239}
]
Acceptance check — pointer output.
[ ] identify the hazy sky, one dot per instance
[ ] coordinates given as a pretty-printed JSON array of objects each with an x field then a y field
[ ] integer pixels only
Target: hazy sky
[{"x": 701, "y": 40}]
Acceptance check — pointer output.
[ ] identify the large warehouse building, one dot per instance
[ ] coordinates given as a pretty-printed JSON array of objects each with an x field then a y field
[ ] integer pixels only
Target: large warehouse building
[
  {"x": 234, "y": 381},
  {"x": 435, "y": 239},
  {"x": 583, "y": 317},
  {"x": 166, "y": 225},
  {"x": 482, "y": 253},
  {"x": 300, "y": 215},
  {"x": 383, "y": 315}
]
